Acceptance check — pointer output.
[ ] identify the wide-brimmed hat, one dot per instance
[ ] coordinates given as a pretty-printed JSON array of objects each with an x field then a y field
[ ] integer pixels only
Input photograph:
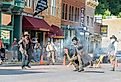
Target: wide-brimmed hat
[
  {"x": 15, "y": 39},
  {"x": 26, "y": 33},
  {"x": 113, "y": 37},
  {"x": 75, "y": 38}
]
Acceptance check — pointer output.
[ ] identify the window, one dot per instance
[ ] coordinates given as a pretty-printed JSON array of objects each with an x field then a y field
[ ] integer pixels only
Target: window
[
  {"x": 76, "y": 14},
  {"x": 69, "y": 34},
  {"x": 70, "y": 13},
  {"x": 28, "y": 3},
  {"x": 91, "y": 21},
  {"x": 63, "y": 9},
  {"x": 53, "y": 7},
  {"x": 87, "y": 20},
  {"x": 66, "y": 10},
  {"x": 35, "y": 4}
]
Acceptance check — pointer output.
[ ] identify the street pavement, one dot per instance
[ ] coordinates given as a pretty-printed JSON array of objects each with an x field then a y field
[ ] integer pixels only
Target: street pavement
[{"x": 59, "y": 73}]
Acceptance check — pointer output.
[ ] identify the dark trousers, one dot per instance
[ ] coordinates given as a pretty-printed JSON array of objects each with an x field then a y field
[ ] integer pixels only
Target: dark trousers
[
  {"x": 29, "y": 52},
  {"x": 2, "y": 54},
  {"x": 77, "y": 62},
  {"x": 24, "y": 60}
]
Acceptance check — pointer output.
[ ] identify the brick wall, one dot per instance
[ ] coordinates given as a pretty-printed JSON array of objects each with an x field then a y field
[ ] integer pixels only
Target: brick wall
[
  {"x": 75, "y": 3},
  {"x": 56, "y": 20}
]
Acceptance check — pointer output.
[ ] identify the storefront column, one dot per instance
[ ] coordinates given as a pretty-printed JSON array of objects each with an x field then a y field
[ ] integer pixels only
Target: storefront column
[
  {"x": 17, "y": 26},
  {"x": 12, "y": 20}
]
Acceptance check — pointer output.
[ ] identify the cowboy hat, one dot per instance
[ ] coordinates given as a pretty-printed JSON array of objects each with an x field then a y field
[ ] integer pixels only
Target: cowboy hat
[
  {"x": 26, "y": 33},
  {"x": 15, "y": 39},
  {"x": 113, "y": 37},
  {"x": 75, "y": 38}
]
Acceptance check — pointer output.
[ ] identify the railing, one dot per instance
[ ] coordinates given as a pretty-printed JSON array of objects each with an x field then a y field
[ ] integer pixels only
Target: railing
[{"x": 19, "y": 3}]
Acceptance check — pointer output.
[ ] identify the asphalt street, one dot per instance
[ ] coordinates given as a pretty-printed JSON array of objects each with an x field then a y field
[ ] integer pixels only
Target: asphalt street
[{"x": 59, "y": 73}]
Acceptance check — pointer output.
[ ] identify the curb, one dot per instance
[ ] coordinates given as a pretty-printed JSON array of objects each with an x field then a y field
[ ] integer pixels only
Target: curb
[{"x": 12, "y": 64}]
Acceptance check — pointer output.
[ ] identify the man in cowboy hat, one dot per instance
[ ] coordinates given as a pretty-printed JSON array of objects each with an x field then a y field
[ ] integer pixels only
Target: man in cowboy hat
[
  {"x": 26, "y": 50},
  {"x": 112, "y": 49},
  {"x": 77, "y": 56}
]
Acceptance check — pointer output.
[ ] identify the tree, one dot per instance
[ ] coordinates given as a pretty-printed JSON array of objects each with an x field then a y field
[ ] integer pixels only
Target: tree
[
  {"x": 119, "y": 15},
  {"x": 112, "y": 5}
]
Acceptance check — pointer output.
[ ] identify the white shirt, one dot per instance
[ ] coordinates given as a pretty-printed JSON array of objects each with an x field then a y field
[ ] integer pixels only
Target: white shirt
[
  {"x": 115, "y": 46},
  {"x": 49, "y": 47}
]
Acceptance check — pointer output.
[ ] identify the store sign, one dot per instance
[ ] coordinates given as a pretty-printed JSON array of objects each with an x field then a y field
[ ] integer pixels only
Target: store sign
[
  {"x": 104, "y": 30},
  {"x": 5, "y": 36},
  {"x": 6, "y": 19},
  {"x": 41, "y": 6}
]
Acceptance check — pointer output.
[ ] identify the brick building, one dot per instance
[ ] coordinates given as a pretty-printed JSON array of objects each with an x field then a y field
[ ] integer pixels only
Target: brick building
[
  {"x": 52, "y": 16},
  {"x": 71, "y": 17},
  {"x": 9, "y": 9},
  {"x": 91, "y": 37}
]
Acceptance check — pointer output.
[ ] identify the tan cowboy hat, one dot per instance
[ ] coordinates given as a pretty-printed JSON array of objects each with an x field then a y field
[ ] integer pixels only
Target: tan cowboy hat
[
  {"x": 15, "y": 39},
  {"x": 26, "y": 33}
]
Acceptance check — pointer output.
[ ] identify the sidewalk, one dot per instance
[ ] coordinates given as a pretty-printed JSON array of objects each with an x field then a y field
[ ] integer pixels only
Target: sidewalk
[{"x": 16, "y": 64}]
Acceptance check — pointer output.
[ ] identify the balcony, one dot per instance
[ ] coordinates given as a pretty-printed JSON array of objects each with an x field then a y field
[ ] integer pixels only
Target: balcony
[
  {"x": 19, "y": 3},
  {"x": 7, "y": 2},
  {"x": 92, "y": 3},
  {"x": 12, "y": 6}
]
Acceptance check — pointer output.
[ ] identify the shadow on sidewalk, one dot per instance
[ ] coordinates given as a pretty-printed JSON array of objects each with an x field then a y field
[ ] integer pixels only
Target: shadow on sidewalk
[
  {"x": 18, "y": 72},
  {"x": 100, "y": 72}
]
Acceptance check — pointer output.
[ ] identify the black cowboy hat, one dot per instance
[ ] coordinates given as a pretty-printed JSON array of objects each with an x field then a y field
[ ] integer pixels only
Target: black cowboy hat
[
  {"x": 75, "y": 38},
  {"x": 113, "y": 37}
]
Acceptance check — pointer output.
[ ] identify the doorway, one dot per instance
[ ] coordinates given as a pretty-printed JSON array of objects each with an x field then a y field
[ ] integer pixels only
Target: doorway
[{"x": 40, "y": 38}]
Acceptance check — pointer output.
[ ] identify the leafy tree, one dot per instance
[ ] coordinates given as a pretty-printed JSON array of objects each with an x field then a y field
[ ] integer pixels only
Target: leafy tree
[
  {"x": 106, "y": 13},
  {"x": 119, "y": 15},
  {"x": 112, "y": 5}
]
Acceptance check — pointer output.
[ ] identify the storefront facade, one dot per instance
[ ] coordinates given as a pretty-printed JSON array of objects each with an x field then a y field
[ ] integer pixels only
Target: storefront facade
[
  {"x": 8, "y": 11},
  {"x": 71, "y": 19}
]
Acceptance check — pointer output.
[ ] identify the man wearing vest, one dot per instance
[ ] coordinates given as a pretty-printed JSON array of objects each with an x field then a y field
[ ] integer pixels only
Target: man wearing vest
[{"x": 112, "y": 49}]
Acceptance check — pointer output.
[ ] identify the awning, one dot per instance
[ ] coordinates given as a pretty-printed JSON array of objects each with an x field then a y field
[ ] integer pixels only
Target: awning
[
  {"x": 30, "y": 23},
  {"x": 57, "y": 32}
]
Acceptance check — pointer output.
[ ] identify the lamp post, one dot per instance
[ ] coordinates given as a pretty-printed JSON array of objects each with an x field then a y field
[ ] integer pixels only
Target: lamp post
[{"x": 82, "y": 17}]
